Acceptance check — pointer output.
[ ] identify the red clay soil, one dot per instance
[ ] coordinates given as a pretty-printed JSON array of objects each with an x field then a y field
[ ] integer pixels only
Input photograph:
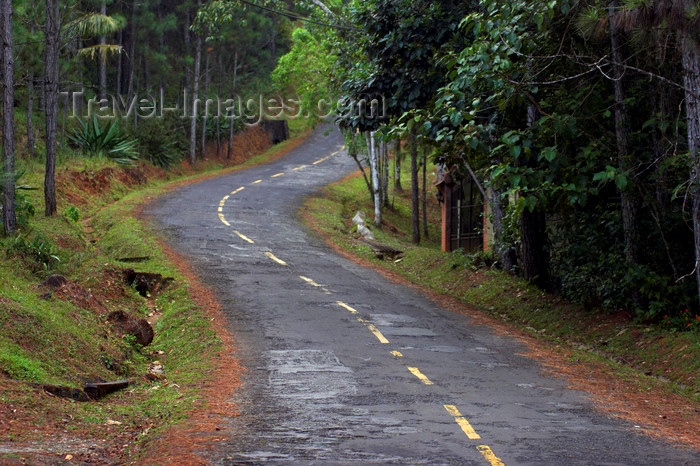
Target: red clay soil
[
  {"x": 664, "y": 416},
  {"x": 183, "y": 443}
]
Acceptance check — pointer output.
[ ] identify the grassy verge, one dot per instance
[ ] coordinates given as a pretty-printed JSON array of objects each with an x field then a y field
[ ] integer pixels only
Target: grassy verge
[
  {"x": 61, "y": 336},
  {"x": 651, "y": 357}
]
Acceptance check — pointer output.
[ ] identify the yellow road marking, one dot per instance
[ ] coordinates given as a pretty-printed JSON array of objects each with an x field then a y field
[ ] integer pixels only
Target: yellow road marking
[
  {"x": 397, "y": 354},
  {"x": 299, "y": 168},
  {"x": 243, "y": 237},
  {"x": 462, "y": 422},
  {"x": 341, "y": 304},
  {"x": 377, "y": 333},
  {"x": 221, "y": 208},
  {"x": 256, "y": 182},
  {"x": 419, "y": 374},
  {"x": 320, "y": 160},
  {"x": 489, "y": 456},
  {"x": 238, "y": 190},
  {"x": 272, "y": 256},
  {"x": 371, "y": 327},
  {"x": 309, "y": 281},
  {"x": 223, "y": 201},
  {"x": 279, "y": 174},
  {"x": 223, "y": 220}
]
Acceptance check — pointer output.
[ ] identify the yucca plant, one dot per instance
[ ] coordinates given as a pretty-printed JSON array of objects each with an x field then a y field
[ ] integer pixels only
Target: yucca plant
[{"x": 111, "y": 141}]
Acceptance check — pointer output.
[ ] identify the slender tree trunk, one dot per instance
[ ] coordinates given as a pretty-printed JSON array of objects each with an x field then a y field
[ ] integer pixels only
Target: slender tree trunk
[
  {"x": 51, "y": 51},
  {"x": 229, "y": 152},
  {"x": 691, "y": 81},
  {"x": 353, "y": 153},
  {"x": 204, "y": 100},
  {"x": 506, "y": 252},
  {"x": 218, "y": 116},
  {"x": 9, "y": 218},
  {"x": 195, "y": 95},
  {"x": 415, "y": 206},
  {"x": 31, "y": 143},
  {"x": 628, "y": 203},
  {"x": 397, "y": 166},
  {"x": 425, "y": 193},
  {"x": 373, "y": 166},
  {"x": 128, "y": 58},
  {"x": 119, "y": 65},
  {"x": 102, "y": 60},
  {"x": 385, "y": 174}
]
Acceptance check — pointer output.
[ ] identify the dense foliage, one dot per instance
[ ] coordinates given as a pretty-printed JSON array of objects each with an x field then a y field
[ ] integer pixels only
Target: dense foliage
[{"x": 581, "y": 117}]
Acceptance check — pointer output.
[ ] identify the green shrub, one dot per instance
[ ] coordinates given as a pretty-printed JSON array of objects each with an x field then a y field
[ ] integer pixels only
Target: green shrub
[
  {"x": 39, "y": 252},
  {"x": 72, "y": 213},
  {"x": 110, "y": 141},
  {"x": 461, "y": 259},
  {"x": 24, "y": 209},
  {"x": 161, "y": 140}
]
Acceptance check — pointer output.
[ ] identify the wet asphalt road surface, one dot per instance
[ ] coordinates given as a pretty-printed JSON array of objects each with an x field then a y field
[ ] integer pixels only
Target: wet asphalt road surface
[{"x": 345, "y": 367}]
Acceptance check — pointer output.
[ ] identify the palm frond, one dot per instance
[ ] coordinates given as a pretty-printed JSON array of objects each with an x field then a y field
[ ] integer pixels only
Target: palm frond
[
  {"x": 95, "y": 52},
  {"x": 94, "y": 24}
]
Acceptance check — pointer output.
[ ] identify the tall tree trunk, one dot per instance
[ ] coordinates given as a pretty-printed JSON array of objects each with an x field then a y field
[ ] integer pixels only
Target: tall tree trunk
[
  {"x": 118, "y": 83},
  {"x": 628, "y": 203},
  {"x": 9, "y": 218},
  {"x": 204, "y": 99},
  {"x": 218, "y": 115},
  {"x": 385, "y": 173},
  {"x": 102, "y": 60},
  {"x": 415, "y": 206},
  {"x": 31, "y": 143},
  {"x": 229, "y": 152},
  {"x": 533, "y": 238},
  {"x": 373, "y": 166},
  {"x": 533, "y": 231},
  {"x": 352, "y": 152},
  {"x": 691, "y": 81},
  {"x": 425, "y": 193},
  {"x": 397, "y": 166},
  {"x": 506, "y": 252},
  {"x": 128, "y": 58},
  {"x": 51, "y": 51},
  {"x": 195, "y": 96}
]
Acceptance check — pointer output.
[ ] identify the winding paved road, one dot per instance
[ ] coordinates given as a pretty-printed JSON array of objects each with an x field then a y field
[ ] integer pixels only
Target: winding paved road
[{"x": 347, "y": 367}]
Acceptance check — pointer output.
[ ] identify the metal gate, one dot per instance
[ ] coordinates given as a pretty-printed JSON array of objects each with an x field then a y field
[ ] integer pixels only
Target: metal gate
[{"x": 466, "y": 222}]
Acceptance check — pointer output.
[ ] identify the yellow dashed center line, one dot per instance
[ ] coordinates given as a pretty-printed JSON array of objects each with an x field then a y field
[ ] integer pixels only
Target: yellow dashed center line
[
  {"x": 278, "y": 174},
  {"x": 341, "y": 304},
  {"x": 244, "y": 237},
  {"x": 369, "y": 326},
  {"x": 223, "y": 220},
  {"x": 320, "y": 160},
  {"x": 256, "y": 182},
  {"x": 397, "y": 354},
  {"x": 237, "y": 190},
  {"x": 489, "y": 456},
  {"x": 310, "y": 281},
  {"x": 462, "y": 422},
  {"x": 272, "y": 256},
  {"x": 377, "y": 333},
  {"x": 299, "y": 168},
  {"x": 420, "y": 375}
]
